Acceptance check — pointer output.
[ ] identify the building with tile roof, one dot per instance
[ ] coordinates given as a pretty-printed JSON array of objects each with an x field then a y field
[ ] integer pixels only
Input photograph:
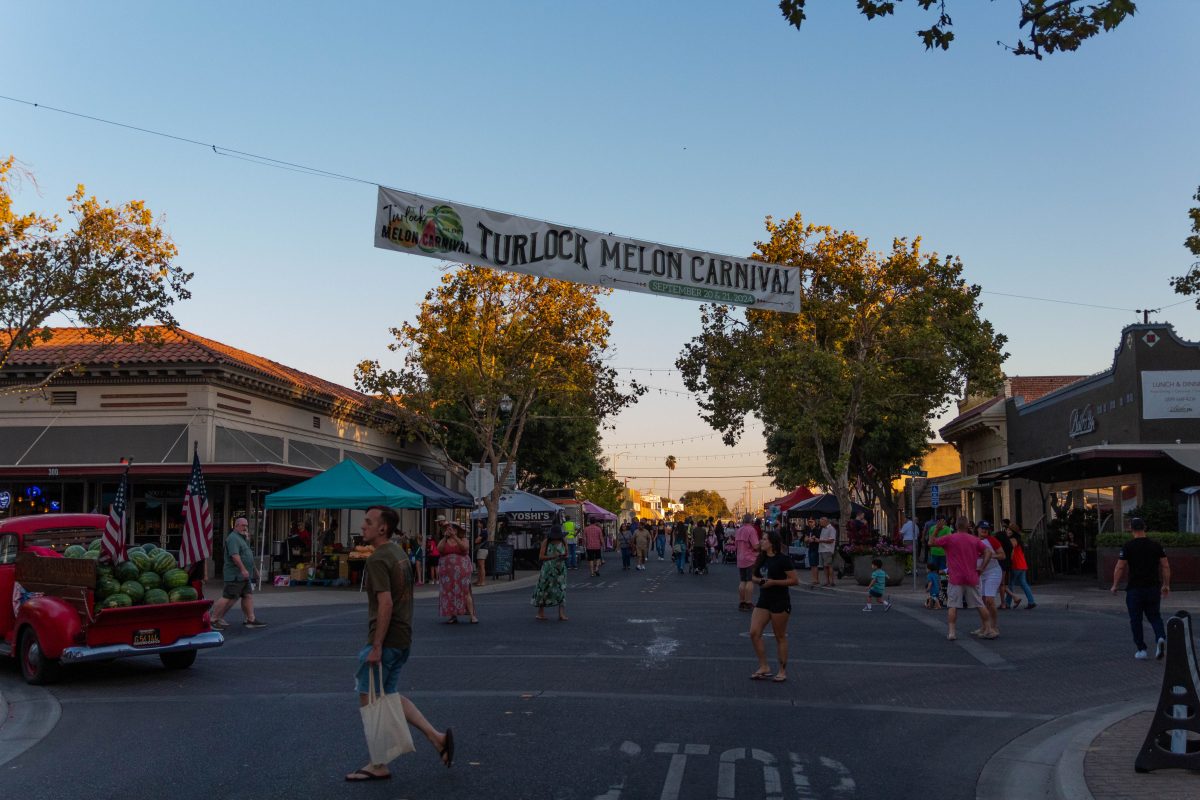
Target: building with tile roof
[
  {"x": 980, "y": 435},
  {"x": 257, "y": 425}
]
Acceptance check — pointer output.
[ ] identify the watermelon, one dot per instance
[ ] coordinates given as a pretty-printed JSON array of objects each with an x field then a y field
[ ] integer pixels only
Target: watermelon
[
  {"x": 163, "y": 562},
  {"x": 150, "y": 580},
  {"x": 117, "y": 600},
  {"x": 174, "y": 578},
  {"x": 183, "y": 594},
  {"x": 156, "y": 597},
  {"x": 134, "y": 589},
  {"x": 149, "y": 547},
  {"x": 140, "y": 559},
  {"x": 127, "y": 571},
  {"x": 94, "y": 544},
  {"x": 93, "y": 555},
  {"x": 75, "y": 551},
  {"x": 104, "y": 570},
  {"x": 106, "y": 587}
]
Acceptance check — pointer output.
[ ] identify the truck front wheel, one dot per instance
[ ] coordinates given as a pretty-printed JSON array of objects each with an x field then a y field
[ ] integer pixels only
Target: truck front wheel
[
  {"x": 35, "y": 667},
  {"x": 181, "y": 660}
]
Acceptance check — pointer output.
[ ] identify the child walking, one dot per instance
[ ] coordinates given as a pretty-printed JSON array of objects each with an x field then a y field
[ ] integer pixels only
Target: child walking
[
  {"x": 933, "y": 582},
  {"x": 877, "y": 587}
]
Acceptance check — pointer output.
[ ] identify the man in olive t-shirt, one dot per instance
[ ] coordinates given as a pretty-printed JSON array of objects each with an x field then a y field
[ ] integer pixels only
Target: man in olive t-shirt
[{"x": 389, "y": 586}]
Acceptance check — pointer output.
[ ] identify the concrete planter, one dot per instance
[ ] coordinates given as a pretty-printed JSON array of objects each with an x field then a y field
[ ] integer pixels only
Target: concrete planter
[
  {"x": 892, "y": 565},
  {"x": 1185, "y": 566}
]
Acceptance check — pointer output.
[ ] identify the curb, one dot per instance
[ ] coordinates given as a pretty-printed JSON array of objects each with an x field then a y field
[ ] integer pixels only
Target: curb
[
  {"x": 1047, "y": 761},
  {"x": 29, "y": 714}
]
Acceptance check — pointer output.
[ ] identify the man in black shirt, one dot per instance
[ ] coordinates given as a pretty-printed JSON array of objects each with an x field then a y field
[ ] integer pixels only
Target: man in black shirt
[{"x": 1149, "y": 581}]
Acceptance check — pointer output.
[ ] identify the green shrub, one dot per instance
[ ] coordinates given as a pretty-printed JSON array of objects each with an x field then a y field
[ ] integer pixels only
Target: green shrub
[
  {"x": 1159, "y": 515},
  {"x": 1165, "y": 538}
]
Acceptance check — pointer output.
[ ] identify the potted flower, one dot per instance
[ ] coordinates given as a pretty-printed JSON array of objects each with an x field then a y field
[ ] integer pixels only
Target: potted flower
[{"x": 861, "y": 555}]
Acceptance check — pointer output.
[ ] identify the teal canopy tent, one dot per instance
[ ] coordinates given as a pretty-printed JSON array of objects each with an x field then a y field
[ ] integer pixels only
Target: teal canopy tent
[{"x": 345, "y": 486}]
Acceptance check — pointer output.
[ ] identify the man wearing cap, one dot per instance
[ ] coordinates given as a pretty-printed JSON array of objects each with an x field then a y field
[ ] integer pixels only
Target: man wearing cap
[{"x": 1149, "y": 582}]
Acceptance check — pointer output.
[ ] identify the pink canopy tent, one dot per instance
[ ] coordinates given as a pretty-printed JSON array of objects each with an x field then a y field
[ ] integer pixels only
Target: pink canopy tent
[{"x": 592, "y": 510}]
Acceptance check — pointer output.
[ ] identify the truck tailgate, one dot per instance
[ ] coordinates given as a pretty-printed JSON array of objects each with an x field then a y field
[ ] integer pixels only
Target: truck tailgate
[{"x": 149, "y": 626}]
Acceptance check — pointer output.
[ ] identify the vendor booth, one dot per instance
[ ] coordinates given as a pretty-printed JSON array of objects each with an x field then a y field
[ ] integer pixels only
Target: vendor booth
[
  {"x": 523, "y": 519},
  {"x": 824, "y": 505},
  {"x": 346, "y": 485}
]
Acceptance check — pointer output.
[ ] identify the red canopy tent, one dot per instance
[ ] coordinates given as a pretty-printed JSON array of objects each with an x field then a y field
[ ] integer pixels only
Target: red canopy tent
[{"x": 798, "y": 495}]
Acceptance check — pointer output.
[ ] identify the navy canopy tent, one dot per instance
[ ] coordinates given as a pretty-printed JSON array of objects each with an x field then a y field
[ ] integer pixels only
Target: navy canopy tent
[
  {"x": 429, "y": 497},
  {"x": 448, "y": 497},
  {"x": 824, "y": 505}
]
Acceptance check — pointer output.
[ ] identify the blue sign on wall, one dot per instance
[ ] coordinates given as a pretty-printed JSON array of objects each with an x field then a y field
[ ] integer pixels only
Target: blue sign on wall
[
  {"x": 935, "y": 495},
  {"x": 5, "y": 501}
]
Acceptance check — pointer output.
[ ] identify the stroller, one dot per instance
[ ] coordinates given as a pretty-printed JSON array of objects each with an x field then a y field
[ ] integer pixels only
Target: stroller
[{"x": 729, "y": 552}]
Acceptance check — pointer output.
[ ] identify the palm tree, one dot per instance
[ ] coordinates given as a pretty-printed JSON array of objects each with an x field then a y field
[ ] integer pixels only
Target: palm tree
[{"x": 670, "y": 468}]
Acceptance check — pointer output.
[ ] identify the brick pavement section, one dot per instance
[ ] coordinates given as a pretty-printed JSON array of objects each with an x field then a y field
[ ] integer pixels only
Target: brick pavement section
[{"x": 1108, "y": 766}]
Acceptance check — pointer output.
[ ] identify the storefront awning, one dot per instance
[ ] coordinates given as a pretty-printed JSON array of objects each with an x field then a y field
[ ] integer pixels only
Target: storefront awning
[{"x": 1094, "y": 460}]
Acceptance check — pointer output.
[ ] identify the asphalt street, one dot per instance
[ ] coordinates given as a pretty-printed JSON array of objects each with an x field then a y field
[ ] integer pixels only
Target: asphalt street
[{"x": 643, "y": 693}]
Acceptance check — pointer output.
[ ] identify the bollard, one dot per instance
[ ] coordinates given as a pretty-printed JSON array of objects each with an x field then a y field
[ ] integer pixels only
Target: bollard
[{"x": 1167, "y": 745}]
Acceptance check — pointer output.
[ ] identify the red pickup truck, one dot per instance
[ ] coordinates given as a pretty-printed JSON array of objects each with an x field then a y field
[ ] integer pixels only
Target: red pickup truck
[{"x": 49, "y": 616}]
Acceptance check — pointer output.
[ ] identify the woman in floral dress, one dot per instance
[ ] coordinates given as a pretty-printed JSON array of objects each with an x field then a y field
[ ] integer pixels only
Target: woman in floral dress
[
  {"x": 454, "y": 575},
  {"x": 551, "y": 589}
]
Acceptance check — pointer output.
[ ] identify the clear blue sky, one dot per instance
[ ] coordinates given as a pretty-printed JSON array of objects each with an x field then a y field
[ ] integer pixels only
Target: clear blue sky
[{"x": 680, "y": 122}]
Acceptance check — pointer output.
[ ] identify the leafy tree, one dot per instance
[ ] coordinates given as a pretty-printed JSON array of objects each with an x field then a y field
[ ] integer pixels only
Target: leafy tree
[
  {"x": 111, "y": 271},
  {"x": 604, "y": 490},
  {"x": 1189, "y": 284},
  {"x": 561, "y": 446},
  {"x": 882, "y": 340},
  {"x": 487, "y": 352},
  {"x": 1054, "y": 25},
  {"x": 704, "y": 503}
]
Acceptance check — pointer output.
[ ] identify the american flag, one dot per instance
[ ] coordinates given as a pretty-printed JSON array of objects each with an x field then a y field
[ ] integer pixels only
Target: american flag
[
  {"x": 197, "y": 521},
  {"x": 112, "y": 543}
]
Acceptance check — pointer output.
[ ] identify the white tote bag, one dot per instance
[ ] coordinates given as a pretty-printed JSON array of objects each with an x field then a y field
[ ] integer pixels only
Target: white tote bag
[{"x": 384, "y": 724}]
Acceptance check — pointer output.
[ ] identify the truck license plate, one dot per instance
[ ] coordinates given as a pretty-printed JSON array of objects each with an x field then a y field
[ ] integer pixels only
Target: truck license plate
[{"x": 145, "y": 637}]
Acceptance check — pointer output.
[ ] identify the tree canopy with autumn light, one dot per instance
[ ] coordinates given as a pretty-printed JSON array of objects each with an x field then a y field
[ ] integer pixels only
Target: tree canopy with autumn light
[
  {"x": 493, "y": 355},
  {"x": 882, "y": 340},
  {"x": 1047, "y": 26},
  {"x": 108, "y": 272}
]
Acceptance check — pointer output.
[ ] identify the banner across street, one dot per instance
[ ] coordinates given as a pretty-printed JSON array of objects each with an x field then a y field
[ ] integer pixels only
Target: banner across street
[{"x": 410, "y": 223}]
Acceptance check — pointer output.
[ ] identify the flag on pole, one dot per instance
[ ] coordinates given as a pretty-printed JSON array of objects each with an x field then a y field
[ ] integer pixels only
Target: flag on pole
[
  {"x": 197, "y": 520},
  {"x": 112, "y": 543}
]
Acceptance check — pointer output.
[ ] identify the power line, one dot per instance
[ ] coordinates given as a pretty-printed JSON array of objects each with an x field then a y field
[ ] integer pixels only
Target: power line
[
  {"x": 692, "y": 477},
  {"x": 292, "y": 166}
]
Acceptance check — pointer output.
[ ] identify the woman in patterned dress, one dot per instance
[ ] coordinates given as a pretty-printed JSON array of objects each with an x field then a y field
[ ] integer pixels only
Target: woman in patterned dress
[
  {"x": 551, "y": 589},
  {"x": 454, "y": 575}
]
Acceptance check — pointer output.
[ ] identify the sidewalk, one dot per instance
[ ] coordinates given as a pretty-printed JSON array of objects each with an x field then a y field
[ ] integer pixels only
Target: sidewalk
[
  {"x": 1070, "y": 594},
  {"x": 271, "y": 596}
]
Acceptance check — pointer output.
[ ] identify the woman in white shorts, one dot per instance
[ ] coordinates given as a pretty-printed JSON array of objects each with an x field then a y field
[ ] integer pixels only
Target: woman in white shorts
[{"x": 989, "y": 582}]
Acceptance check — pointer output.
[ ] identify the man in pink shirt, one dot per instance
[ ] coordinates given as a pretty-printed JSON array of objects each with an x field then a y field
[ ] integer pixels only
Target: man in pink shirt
[
  {"x": 746, "y": 542},
  {"x": 593, "y": 540},
  {"x": 963, "y": 551}
]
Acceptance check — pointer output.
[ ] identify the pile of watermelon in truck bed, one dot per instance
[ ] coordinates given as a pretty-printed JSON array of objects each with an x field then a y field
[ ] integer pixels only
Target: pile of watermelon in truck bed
[{"x": 70, "y": 607}]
